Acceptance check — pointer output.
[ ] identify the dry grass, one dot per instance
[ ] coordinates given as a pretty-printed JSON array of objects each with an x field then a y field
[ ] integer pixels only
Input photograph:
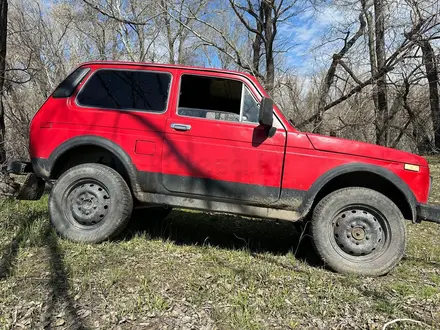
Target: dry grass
[{"x": 198, "y": 271}]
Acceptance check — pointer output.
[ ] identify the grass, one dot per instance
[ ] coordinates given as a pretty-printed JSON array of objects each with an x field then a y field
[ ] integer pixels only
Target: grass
[{"x": 199, "y": 271}]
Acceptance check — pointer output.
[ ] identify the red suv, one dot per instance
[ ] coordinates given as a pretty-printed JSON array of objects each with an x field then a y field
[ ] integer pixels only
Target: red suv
[{"x": 117, "y": 135}]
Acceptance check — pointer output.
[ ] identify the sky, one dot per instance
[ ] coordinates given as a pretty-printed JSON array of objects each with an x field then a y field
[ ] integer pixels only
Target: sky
[
  {"x": 303, "y": 35},
  {"x": 308, "y": 32}
]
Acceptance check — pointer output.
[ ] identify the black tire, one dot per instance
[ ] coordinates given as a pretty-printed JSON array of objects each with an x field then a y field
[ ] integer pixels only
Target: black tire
[
  {"x": 358, "y": 231},
  {"x": 90, "y": 203}
]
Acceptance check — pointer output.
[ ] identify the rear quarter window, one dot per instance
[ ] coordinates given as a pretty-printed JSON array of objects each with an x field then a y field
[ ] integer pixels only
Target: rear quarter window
[
  {"x": 67, "y": 87},
  {"x": 126, "y": 90}
]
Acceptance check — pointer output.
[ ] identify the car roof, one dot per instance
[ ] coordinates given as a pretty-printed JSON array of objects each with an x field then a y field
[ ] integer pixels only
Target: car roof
[{"x": 175, "y": 66}]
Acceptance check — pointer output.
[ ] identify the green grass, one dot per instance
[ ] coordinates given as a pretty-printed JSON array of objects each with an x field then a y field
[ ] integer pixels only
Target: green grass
[{"x": 199, "y": 271}]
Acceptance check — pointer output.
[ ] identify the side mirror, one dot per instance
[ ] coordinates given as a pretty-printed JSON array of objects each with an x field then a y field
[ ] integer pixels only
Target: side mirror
[{"x": 265, "y": 117}]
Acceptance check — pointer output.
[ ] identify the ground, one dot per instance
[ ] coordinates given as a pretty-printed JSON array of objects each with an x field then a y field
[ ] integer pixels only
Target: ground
[{"x": 199, "y": 271}]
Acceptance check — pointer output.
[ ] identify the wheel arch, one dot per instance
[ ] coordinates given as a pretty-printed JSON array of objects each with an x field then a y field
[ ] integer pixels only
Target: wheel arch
[
  {"x": 52, "y": 167},
  {"x": 362, "y": 175}
]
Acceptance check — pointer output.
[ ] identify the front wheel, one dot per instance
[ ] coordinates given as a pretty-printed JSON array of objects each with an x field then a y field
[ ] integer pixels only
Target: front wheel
[
  {"x": 358, "y": 231},
  {"x": 90, "y": 203}
]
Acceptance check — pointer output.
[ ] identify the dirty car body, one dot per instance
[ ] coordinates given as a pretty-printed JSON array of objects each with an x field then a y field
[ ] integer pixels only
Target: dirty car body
[{"x": 210, "y": 140}]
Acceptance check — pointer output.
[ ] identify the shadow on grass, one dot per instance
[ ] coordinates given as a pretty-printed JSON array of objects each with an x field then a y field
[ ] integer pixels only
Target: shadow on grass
[
  {"x": 58, "y": 284},
  {"x": 59, "y": 295},
  {"x": 10, "y": 251},
  {"x": 227, "y": 232}
]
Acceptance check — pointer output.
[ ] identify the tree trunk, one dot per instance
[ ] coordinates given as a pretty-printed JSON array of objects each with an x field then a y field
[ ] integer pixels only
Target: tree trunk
[
  {"x": 3, "y": 32},
  {"x": 381, "y": 85},
  {"x": 430, "y": 62},
  {"x": 371, "y": 47},
  {"x": 256, "y": 45},
  {"x": 7, "y": 186},
  {"x": 270, "y": 37},
  {"x": 266, "y": 14},
  {"x": 330, "y": 75},
  {"x": 170, "y": 40}
]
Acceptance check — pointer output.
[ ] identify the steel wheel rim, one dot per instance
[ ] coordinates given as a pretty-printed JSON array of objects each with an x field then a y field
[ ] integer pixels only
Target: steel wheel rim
[
  {"x": 360, "y": 233},
  {"x": 87, "y": 203}
]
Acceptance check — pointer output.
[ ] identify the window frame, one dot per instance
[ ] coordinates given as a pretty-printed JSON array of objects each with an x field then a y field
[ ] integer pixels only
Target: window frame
[
  {"x": 170, "y": 87},
  {"x": 243, "y": 91},
  {"x": 245, "y": 82},
  {"x": 276, "y": 123},
  {"x": 243, "y": 86}
]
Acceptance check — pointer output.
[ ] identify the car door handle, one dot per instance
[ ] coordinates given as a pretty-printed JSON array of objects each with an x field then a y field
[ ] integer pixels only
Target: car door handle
[{"x": 181, "y": 127}]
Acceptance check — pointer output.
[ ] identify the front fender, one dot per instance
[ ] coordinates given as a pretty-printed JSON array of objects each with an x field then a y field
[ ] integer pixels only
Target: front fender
[{"x": 336, "y": 172}]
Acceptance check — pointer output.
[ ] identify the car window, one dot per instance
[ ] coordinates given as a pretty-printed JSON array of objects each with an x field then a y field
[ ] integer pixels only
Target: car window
[
  {"x": 251, "y": 108},
  {"x": 126, "y": 90},
  {"x": 68, "y": 85},
  {"x": 215, "y": 98}
]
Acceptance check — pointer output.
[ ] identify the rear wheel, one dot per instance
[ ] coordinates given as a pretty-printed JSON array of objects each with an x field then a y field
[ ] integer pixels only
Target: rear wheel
[
  {"x": 358, "y": 231},
  {"x": 90, "y": 203}
]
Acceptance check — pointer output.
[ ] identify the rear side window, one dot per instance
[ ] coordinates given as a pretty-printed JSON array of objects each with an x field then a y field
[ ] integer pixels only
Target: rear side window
[
  {"x": 126, "y": 90},
  {"x": 67, "y": 87}
]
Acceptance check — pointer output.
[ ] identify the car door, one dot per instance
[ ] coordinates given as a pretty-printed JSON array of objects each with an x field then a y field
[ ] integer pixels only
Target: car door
[{"x": 215, "y": 148}]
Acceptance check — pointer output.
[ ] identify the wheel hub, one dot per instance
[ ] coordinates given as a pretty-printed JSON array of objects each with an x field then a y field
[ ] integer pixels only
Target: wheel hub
[
  {"x": 357, "y": 232},
  {"x": 89, "y": 203}
]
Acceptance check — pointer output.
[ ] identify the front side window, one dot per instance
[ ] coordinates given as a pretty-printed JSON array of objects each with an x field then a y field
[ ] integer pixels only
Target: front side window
[
  {"x": 216, "y": 98},
  {"x": 251, "y": 108},
  {"x": 126, "y": 90}
]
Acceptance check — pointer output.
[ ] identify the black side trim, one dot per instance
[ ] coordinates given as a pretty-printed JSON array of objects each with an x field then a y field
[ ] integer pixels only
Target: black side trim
[
  {"x": 291, "y": 199},
  {"x": 209, "y": 189},
  {"x": 151, "y": 182},
  {"x": 358, "y": 167},
  {"x": 429, "y": 213},
  {"x": 222, "y": 189},
  {"x": 220, "y": 206}
]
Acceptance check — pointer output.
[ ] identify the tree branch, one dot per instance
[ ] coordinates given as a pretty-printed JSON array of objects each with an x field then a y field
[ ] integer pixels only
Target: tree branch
[
  {"x": 349, "y": 71},
  {"x": 120, "y": 19}
]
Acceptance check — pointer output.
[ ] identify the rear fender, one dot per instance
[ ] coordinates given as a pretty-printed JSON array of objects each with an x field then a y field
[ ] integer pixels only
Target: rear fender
[{"x": 44, "y": 167}]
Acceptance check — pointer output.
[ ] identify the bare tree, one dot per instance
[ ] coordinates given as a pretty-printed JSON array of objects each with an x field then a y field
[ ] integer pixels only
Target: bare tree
[
  {"x": 7, "y": 186},
  {"x": 260, "y": 20},
  {"x": 346, "y": 82},
  {"x": 3, "y": 34},
  {"x": 431, "y": 67},
  {"x": 380, "y": 85},
  {"x": 331, "y": 72},
  {"x": 381, "y": 82},
  {"x": 177, "y": 35},
  {"x": 266, "y": 15}
]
